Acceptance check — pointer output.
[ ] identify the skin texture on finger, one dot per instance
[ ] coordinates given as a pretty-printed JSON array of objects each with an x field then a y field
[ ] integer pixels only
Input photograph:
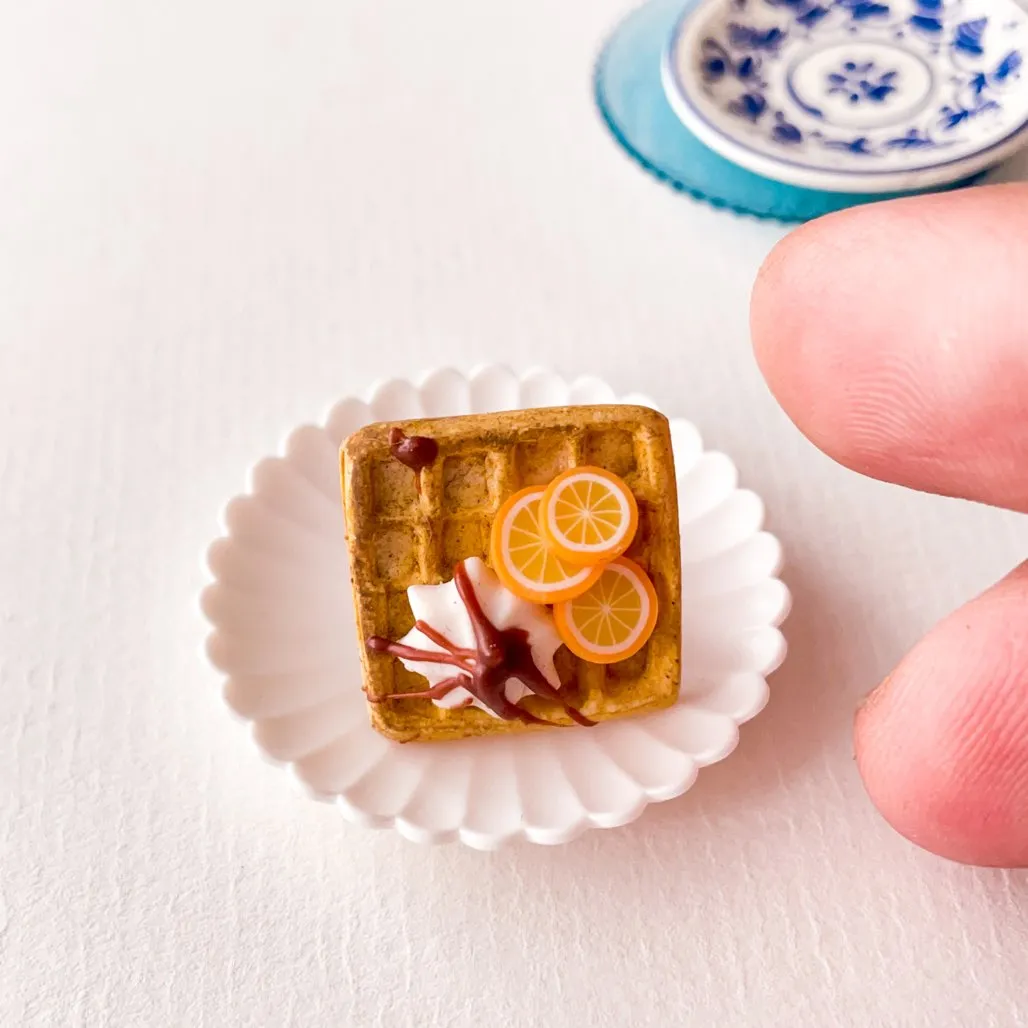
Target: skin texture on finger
[
  {"x": 896, "y": 338},
  {"x": 942, "y": 744}
]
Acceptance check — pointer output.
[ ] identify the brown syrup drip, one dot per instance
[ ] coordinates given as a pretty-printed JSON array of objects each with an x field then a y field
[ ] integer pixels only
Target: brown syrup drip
[
  {"x": 414, "y": 451},
  {"x": 497, "y": 656}
]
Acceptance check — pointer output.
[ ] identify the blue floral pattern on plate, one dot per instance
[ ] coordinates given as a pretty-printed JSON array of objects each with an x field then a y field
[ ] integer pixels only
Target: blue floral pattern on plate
[
  {"x": 862, "y": 82},
  {"x": 852, "y": 87}
]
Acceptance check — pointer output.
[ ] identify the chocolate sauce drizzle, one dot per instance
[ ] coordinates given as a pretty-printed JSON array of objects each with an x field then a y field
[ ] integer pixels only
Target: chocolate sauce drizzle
[
  {"x": 415, "y": 451},
  {"x": 497, "y": 656}
]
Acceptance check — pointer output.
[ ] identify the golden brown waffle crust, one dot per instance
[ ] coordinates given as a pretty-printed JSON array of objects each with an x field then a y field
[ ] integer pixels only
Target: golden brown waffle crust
[{"x": 398, "y": 535}]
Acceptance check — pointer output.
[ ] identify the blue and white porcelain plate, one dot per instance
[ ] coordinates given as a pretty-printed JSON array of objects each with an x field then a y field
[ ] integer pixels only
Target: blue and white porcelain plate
[{"x": 845, "y": 95}]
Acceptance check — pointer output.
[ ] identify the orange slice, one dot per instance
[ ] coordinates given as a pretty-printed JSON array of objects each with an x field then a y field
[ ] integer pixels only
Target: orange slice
[
  {"x": 588, "y": 515},
  {"x": 524, "y": 561},
  {"x": 613, "y": 619}
]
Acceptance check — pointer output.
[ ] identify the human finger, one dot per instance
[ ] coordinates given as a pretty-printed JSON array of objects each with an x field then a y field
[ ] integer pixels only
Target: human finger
[
  {"x": 942, "y": 744},
  {"x": 896, "y": 338}
]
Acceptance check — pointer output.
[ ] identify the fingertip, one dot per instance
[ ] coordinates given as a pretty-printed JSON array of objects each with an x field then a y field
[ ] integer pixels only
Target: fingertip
[
  {"x": 942, "y": 744},
  {"x": 773, "y": 303},
  {"x": 806, "y": 310},
  {"x": 892, "y": 336}
]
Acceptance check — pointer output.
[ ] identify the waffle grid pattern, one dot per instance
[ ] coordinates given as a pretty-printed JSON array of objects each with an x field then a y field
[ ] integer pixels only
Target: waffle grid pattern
[{"x": 400, "y": 535}]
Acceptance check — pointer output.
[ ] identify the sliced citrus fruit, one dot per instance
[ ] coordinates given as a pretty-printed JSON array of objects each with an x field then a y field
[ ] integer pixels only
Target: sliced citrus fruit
[
  {"x": 523, "y": 559},
  {"x": 613, "y": 618},
  {"x": 588, "y": 515}
]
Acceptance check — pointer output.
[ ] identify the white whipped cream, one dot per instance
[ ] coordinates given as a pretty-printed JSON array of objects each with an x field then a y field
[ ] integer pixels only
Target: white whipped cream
[{"x": 441, "y": 607}]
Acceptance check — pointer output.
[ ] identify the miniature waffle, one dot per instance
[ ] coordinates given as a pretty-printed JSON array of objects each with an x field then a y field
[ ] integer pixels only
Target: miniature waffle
[{"x": 405, "y": 528}]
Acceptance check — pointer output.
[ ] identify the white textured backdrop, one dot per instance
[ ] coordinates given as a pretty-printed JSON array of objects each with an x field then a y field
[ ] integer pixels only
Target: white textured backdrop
[{"x": 214, "y": 220}]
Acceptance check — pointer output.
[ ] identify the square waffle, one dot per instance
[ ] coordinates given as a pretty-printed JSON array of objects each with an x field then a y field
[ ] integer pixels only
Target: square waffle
[{"x": 405, "y": 529}]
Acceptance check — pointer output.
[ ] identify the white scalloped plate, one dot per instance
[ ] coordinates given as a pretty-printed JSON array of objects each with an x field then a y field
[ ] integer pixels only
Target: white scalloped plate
[{"x": 282, "y": 633}]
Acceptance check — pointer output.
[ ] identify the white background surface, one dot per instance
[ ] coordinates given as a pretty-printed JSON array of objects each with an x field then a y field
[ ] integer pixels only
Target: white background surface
[{"x": 218, "y": 218}]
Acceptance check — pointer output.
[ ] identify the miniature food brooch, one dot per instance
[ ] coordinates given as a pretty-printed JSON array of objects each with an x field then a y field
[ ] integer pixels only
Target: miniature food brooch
[{"x": 514, "y": 571}]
